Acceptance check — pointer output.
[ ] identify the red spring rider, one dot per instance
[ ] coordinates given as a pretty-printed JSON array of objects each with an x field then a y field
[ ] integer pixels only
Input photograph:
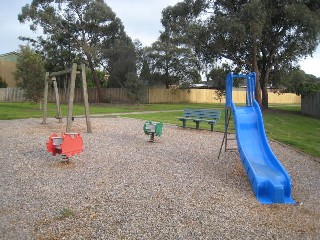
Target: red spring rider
[{"x": 68, "y": 144}]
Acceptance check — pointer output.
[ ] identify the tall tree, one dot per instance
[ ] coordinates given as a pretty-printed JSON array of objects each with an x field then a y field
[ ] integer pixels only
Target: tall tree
[
  {"x": 290, "y": 33},
  {"x": 85, "y": 27},
  {"x": 184, "y": 27},
  {"x": 171, "y": 64},
  {"x": 30, "y": 73},
  {"x": 145, "y": 73},
  {"x": 122, "y": 61},
  {"x": 256, "y": 35},
  {"x": 300, "y": 83},
  {"x": 237, "y": 28}
]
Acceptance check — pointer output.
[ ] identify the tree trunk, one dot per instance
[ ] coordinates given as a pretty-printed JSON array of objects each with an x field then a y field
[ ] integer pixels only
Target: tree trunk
[
  {"x": 265, "y": 99},
  {"x": 96, "y": 80},
  {"x": 256, "y": 70},
  {"x": 258, "y": 94}
]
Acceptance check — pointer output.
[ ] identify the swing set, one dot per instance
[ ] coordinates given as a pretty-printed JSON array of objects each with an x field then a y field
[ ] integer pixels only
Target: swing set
[
  {"x": 52, "y": 77},
  {"x": 69, "y": 143}
]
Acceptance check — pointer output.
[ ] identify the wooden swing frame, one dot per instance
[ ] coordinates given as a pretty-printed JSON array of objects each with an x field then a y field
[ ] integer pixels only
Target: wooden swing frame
[{"x": 52, "y": 77}]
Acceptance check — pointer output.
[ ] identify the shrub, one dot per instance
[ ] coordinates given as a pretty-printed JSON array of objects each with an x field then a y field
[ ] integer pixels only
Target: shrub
[{"x": 3, "y": 83}]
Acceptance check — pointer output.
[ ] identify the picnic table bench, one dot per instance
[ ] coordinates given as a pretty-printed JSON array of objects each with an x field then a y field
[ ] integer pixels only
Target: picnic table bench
[{"x": 211, "y": 116}]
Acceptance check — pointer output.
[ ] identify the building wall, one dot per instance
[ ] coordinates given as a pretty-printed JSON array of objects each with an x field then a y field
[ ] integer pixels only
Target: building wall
[
  {"x": 8, "y": 67},
  {"x": 6, "y": 72}
]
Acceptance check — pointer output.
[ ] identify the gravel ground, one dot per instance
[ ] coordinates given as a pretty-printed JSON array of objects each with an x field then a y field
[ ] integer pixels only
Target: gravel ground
[{"x": 124, "y": 187}]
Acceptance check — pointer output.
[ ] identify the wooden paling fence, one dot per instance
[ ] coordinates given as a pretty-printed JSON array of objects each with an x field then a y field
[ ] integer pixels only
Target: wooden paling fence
[
  {"x": 151, "y": 95},
  {"x": 310, "y": 105},
  {"x": 210, "y": 96},
  {"x": 116, "y": 95},
  {"x": 112, "y": 94},
  {"x": 11, "y": 95}
]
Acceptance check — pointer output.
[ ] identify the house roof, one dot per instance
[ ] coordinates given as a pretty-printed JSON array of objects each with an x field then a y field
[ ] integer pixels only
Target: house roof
[{"x": 9, "y": 57}]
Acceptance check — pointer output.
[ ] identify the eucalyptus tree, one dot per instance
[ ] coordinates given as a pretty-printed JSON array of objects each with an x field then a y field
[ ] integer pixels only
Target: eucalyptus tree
[
  {"x": 122, "y": 61},
  {"x": 300, "y": 83},
  {"x": 84, "y": 27},
  {"x": 256, "y": 35},
  {"x": 184, "y": 26},
  {"x": 266, "y": 35},
  {"x": 171, "y": 64}
]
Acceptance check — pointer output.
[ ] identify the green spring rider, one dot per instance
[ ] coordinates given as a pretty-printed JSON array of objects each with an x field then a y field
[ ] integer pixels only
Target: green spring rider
[{"x": 152, "y": 129}]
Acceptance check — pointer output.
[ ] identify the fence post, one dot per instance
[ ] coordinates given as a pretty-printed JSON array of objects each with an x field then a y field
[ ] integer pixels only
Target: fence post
[
  {"x": 310, "y": 105},
  {"x": 147, "y": 95}
]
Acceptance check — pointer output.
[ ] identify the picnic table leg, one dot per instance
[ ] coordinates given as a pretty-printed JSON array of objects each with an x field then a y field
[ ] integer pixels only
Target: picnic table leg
[
  {"x": 197, "y": 125},
  {"x": 184, "y": 123}
]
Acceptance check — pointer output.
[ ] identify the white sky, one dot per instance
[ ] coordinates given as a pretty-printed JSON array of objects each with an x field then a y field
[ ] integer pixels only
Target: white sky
[
  {"x": 141, "y": 19},
  {"x": 311, "y": 65}
]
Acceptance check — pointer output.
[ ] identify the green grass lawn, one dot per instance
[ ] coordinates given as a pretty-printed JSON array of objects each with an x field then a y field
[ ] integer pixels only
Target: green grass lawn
[
  {"x": 10, "y": 111},
  {"x": 30, "y": 110},
  {"x": 283, "y": 123},
  {"x": 171, "y": 117},
  {"x": 288, "y": 126}
]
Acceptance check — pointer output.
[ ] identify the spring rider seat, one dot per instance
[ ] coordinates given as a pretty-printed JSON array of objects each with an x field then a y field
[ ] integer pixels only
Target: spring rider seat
[
  {"x": 152, "y": 129},
  {"x": 67, "y": 145}
]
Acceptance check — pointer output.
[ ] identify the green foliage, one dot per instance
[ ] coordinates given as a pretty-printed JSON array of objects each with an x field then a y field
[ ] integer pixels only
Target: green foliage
[
  {"x": 135, "y": 87},
  {"x": 172, "y": 65},
  {"x": 185, "y": 26},
  {"x": 122, "y": 61},
  {"x": 145, "y": 74},
  {"x": 3, "y": 83},
  {"x": 101, "y": 76},
  {"x": 300, "y": 83},
  {"x": 140, "y": 57},
  {"x": 76, "y": 31},
  {"x": 218, "y": 76},
  {"x": 30, "y": 74},
  {"x": 254, "y": 35}
]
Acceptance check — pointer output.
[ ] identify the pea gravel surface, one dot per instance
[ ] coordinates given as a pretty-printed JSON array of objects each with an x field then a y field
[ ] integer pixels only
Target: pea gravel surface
[{"x": 124, "y": 187}]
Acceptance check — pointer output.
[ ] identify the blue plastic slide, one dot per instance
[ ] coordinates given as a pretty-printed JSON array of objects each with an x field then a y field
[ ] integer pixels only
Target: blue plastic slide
[{"x": 270, "y": 181}]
